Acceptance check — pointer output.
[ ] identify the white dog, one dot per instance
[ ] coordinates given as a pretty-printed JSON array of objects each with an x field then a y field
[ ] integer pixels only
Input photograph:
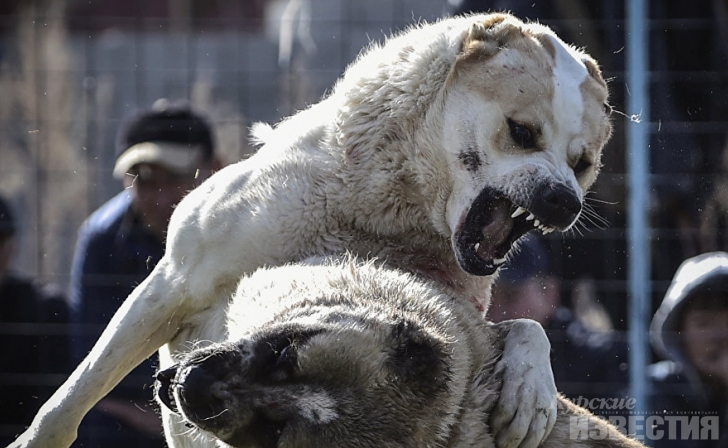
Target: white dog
[
  {"x": 329, "y": 353},
  {"x": 434, "y": 152}
]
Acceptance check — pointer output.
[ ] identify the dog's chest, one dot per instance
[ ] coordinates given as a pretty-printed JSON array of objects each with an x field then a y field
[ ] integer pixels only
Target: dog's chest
[{"x": 206, "y": 327}]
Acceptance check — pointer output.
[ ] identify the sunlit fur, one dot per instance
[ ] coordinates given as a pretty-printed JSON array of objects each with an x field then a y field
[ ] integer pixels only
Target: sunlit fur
[
  {"x": 387, "y": 165},
  {"x": 392, "y": 362}
]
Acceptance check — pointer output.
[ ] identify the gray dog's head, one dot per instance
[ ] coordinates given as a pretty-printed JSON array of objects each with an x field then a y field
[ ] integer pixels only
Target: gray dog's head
[
  {"x": 359, "y": 354},
  {"x": 308, "y": 388}
]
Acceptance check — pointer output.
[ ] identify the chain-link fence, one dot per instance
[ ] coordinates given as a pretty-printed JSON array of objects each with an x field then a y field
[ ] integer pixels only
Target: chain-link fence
[{"x": 71, "y": 71}]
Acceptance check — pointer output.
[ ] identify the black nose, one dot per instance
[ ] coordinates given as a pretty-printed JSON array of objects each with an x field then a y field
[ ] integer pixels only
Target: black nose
[
  {"x": 555, "y": 205},
  {"x": 195, "y": 384},
  {"x": 163, "y": 388},
  {"x": 200, "y": 386}
]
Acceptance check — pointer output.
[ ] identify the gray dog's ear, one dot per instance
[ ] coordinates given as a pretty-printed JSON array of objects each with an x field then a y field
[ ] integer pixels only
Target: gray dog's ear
[{"x": 416, "y": 355}]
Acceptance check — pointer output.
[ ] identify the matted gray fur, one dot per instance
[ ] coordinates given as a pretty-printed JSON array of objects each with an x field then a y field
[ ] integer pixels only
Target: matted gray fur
[{"x": 334, "y": 353}]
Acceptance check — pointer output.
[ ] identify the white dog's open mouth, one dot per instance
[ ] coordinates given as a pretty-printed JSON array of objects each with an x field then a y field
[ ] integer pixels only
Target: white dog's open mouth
[{"x": 494, "y": 223}]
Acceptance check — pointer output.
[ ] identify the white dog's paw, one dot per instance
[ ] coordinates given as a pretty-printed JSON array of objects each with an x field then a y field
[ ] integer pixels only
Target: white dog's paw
[{"x": 526, "y": 409}]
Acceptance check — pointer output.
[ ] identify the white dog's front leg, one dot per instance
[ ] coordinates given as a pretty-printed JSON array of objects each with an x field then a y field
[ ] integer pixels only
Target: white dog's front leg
[
  {"x": 137, "y": 330},
  {"x": 526, "y": 409}
]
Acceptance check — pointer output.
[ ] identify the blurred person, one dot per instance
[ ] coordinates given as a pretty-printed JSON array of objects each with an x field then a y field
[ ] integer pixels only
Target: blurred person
[
  {"x": 690, "y": 331},
  {"x": 714, "y": 215},
  {"x": 162, "y": 153},
  {"x": 586, "y": 363},
  {"x": 33, "y": 338}
]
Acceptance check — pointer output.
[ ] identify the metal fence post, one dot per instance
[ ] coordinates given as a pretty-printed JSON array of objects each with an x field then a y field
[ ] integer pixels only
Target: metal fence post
[{"x": 638, "y": 235}]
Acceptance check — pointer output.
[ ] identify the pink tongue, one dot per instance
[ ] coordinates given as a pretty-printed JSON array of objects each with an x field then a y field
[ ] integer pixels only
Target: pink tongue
[{"x": 496, "y": 232}]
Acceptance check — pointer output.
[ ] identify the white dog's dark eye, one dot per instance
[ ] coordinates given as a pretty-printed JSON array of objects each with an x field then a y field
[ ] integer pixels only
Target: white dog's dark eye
[
  {"x": 581, "y": 166},
  {"x": 522, "y": 135}
]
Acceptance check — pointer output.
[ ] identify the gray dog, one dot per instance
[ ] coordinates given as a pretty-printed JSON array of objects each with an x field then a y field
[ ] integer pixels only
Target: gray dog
[{"x": 342, "y": 353}]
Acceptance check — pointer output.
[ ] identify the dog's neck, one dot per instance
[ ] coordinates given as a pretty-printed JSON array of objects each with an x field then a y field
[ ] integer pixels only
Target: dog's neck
[
  {"x": 433, "y": 262},
  {"x": 461, "y": 285},
  {"x": 402, "y": 203}
]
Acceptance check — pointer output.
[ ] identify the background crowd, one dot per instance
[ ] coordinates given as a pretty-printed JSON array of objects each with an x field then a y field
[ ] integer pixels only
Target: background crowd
[{"x": 91, "y": 165}]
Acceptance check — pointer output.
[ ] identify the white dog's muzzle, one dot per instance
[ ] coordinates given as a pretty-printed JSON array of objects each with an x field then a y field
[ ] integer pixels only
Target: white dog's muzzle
[{"x": 495, "y": 222}]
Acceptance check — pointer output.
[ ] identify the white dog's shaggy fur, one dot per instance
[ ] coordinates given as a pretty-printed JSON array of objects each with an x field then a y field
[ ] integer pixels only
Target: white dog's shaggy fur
[
  {"x": 330, "y": 353},
  {"x": 435, "y": 152}
]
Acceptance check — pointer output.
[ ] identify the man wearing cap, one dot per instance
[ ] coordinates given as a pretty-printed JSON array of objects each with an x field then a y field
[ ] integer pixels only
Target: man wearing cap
[
  {"x": 162, "y": 153},
  {"x": 33, "y": 338}
]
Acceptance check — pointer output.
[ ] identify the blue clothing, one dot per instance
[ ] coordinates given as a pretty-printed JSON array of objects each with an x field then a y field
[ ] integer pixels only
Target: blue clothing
[
  {"x": 113, "y": 254},
  {"x": 674, "y": 393},
  {"x": 586, "y": 364}
]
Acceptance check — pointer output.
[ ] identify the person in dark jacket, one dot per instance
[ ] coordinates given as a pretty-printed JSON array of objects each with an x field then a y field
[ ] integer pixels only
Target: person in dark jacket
[
  {"x": 587, "y": 363},
  {"x": 33, "y": 339},
  {"x": 162, "y": 153},
  {"x": 690, "y": 331}
]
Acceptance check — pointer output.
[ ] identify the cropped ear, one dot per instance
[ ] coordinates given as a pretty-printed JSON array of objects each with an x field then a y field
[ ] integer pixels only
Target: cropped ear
[
  {"x": 593, "y": 69},
  {"x": 416, "y": 354},
  {"x": 483, "y": 39}
]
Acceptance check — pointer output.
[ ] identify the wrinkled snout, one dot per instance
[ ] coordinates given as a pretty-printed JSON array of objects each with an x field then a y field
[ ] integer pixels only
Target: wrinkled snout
[{"x": 556, "y": 204}]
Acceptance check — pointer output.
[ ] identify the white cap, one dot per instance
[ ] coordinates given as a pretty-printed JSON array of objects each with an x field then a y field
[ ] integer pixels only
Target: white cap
[{"x": 179, "y": 158}]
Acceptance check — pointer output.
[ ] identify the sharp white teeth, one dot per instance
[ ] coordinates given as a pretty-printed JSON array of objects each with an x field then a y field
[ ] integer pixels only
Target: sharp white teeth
[
  {"x": 477, "y": 246},
  {"x": 499, "y": 261},
  {"x": 544, "y": 228},
  {"x": 537, "y": 223},
  {"x": 519, "y": 211},
  {"x": 530, "y": 217}
]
